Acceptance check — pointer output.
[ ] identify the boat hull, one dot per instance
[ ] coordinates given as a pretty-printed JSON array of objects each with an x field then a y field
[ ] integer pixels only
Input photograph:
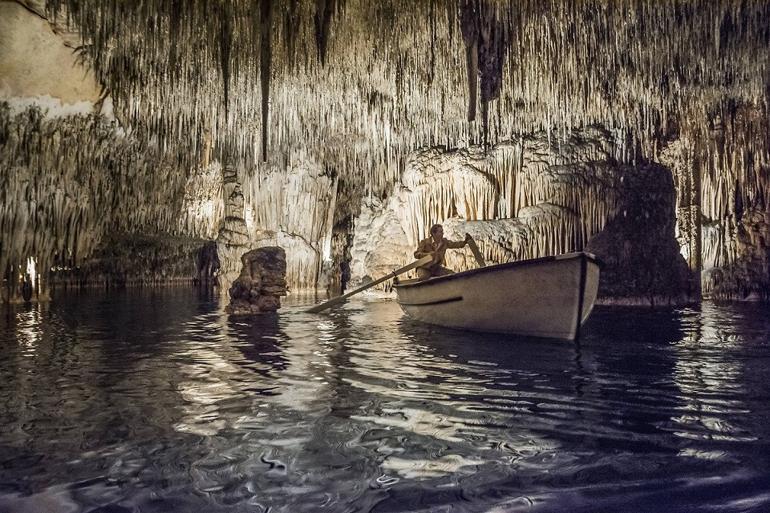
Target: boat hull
[{"x": 545, "y": 297}]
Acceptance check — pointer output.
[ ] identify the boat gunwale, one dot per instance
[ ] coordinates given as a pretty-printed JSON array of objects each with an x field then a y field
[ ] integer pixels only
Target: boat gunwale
[{"x": 497, "y": 267}]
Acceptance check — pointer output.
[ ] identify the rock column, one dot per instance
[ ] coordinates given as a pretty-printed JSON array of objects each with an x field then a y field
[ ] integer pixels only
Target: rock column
[{"x": 233, "y": 239}]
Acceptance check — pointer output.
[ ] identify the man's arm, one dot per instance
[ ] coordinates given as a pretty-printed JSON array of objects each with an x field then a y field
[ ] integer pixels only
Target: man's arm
[{"x": 456, "y": 244}]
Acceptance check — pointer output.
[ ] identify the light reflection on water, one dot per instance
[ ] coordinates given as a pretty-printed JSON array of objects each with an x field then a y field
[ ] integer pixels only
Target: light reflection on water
[{"x": 158, "y": 401}]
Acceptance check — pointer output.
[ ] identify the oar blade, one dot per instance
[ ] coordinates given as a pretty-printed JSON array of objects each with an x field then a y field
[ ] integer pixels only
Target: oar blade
[
  {"x": 476, "y": 253},
  {"x": 327, "y": 304}
]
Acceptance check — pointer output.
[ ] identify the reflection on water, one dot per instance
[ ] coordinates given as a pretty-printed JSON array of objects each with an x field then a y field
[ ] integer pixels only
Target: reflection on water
[{"x": 157, "y": 401}]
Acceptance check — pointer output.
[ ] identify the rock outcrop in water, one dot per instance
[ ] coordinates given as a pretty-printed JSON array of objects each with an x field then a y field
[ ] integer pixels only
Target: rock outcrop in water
[{"x": 261, "y": 284}]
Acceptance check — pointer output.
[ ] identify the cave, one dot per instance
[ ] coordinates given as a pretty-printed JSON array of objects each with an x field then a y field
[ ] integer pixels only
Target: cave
[{"x": 180, "y": 180}]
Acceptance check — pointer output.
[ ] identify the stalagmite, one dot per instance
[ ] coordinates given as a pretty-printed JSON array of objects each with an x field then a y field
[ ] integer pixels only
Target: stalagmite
[
  {"x": 261, "y": 283},
  {"x": 233, "y": 238}
]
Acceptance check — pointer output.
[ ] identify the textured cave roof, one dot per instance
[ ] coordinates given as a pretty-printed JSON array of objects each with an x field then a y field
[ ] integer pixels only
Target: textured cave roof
[{"x": 359, "y": 84}]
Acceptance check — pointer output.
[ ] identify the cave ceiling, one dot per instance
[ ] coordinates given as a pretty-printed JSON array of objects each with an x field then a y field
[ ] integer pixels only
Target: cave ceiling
[{"x": 359, "y": 84}]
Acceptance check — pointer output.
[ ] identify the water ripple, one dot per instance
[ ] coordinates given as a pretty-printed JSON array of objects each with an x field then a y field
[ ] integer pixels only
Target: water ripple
[{"x": 158, "y": 401}]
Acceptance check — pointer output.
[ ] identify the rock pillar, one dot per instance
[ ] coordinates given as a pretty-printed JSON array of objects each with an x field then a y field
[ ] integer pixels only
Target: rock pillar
[{"x": 233, "y": 236}]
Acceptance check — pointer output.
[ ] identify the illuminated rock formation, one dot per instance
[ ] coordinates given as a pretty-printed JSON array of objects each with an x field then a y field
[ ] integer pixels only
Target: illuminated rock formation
[
  {"x": 527, "y": 198},
  {"x": 293, "y": 206},
  {"x": 233, "y": 239},
  {"x": 524, "y": 198}
]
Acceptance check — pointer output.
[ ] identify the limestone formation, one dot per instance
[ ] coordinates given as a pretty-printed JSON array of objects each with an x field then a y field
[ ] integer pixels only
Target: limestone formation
[
  {"x": 261, "y": 284},
  {"x": 737, "y": 264},
  {"x": 550, "y": 65},
  {"x": 233, "y": 238},
  {"x": 523, "y": 198},
  {"x": 203, "y": 207},
  {"x": 295, "y": 205}
]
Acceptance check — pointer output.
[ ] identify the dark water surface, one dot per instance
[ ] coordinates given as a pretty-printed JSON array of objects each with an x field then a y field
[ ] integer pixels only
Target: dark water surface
[{"x": 155, "y": 401}]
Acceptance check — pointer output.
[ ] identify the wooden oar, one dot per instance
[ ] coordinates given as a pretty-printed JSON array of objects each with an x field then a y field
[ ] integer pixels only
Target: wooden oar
[
  {"x": 341, "y": 299},
  {"x": 475, "y": 251}
]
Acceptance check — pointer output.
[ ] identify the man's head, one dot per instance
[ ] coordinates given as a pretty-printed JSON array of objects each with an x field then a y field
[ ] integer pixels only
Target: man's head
[{"x": 437, "y": 232}]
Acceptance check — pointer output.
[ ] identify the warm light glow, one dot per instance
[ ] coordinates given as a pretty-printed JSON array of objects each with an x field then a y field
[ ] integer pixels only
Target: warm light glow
[
  {"x": 327, "y": 250},
  {"x": 31, "y": 269}
]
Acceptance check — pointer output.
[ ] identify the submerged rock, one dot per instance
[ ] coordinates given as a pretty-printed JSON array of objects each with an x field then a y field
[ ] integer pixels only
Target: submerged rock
[{"x": 261, "y": 284}]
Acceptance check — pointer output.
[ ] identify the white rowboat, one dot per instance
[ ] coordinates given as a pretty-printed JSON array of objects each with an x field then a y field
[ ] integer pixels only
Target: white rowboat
[{"x": 543, "y": 297}]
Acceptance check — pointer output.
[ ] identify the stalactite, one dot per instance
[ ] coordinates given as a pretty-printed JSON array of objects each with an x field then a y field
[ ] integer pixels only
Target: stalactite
[
  {"x": 293, "y": 205},
  {"x": 470, "y": 30},
  {"x": 225, "y": 43},
  {"x": 203, "y": 206},
  {"x": 563, "y": 196},
  {"x": 291, "y": 30},
  {"x": 566, "y": 65},
  {"x": 265, "y": 67},
  {"x": 494, "y": 41},
  {"x": 572, "y": 192},
  {"x": 360, "y": 89},
  {"x": 325, "y": 10},
  {"x": 71, "y": 180}
]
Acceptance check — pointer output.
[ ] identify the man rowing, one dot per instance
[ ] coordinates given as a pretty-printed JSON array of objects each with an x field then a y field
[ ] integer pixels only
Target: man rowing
[{"x": 436, "y": 246}]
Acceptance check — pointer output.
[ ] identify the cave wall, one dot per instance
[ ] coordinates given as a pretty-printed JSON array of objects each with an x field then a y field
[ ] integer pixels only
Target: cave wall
[
  {"x": 736, "y": 208},
  {"x": 72, "y": 180},
  {"x": 305, "y": 124},
  {"x": 293, "y": 206},
  {"x": 70, "y": 172},
  {"x": 79, "y": 189},
  {"x": 38, "y": 65},
  {"x": 723, "y": 203},
  {"x": 73, "y": 185}
]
